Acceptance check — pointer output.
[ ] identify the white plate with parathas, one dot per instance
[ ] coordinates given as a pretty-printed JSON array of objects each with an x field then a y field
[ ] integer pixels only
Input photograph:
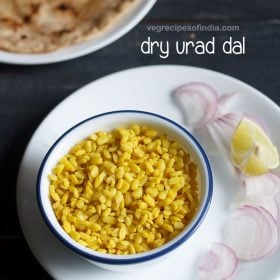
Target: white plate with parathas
[
  {"x": 44, "y": 32},
  {"x": 147, "y": 89}
]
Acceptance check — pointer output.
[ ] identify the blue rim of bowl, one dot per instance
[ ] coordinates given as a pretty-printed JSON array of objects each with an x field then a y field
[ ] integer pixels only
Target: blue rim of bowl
[{"x": 140, "y": 259}]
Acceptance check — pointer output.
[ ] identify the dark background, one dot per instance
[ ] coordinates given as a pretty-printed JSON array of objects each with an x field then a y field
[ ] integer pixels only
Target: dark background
[{"x": 28, "y": 93}]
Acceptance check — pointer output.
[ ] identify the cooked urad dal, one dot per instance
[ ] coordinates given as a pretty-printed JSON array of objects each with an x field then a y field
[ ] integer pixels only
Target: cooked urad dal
[
  {"x": 126, "y": 191},
  {"x": 37, "y": 26}
]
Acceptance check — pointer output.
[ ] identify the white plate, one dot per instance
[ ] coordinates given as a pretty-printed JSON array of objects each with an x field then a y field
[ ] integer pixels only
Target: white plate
[
  {"x": 146, "y": 88},
  {"x": 119, "y": 28}
]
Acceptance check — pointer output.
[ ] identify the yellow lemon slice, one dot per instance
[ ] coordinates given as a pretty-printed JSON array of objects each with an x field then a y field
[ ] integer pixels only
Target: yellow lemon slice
[{"x": 251, "y": 149}]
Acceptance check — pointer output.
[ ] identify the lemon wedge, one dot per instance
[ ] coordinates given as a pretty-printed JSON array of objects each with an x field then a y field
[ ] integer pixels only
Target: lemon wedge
[{"x": 251, "y": 149}]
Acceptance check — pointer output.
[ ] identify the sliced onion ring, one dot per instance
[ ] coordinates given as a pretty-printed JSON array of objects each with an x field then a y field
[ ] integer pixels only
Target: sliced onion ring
[
  {"x": 277, "y": 201},
  {"x": 252, "y": 233},
  {"x": 268, "y": 184},
  {"x": 208, "y": 115},
  {"x": 257, "y": 121},
  {"x": 224, "y": 103},
  {"x": 194, "y": 107},
  {"x": 221, "y": 131},
  {"x": 260, "y": 191},
  {"x": 219, "y": 263},
  {"x": 198, "y": 102}
]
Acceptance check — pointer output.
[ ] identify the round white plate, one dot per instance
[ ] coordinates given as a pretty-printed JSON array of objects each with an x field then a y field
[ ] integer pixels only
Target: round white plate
[
  {"x": 119, "y": 28},
  {"x": 146, "y": 88}
]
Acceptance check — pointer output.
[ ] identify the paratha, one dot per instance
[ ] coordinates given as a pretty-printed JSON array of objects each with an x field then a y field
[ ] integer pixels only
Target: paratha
[{"x": 37, "y": 26}]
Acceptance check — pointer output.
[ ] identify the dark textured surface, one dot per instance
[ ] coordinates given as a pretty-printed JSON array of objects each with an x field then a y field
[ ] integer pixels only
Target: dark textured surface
[
  {"x": 216, "y": 10},
  {"x": 27, "y": 94}
]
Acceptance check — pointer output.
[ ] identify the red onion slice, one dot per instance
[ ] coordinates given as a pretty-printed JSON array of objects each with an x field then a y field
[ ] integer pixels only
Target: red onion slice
[
  {"x": 260, "y": 192},
  {"x": 277, "y": 201},
  {"x": 268, "y": 184},
  {"x": 225, "y": 102},
  {"x": 208, "y": 115},
  {"x": 221, "y": 131},
  {"x": 198, "y": 101},
  {"x": 257, "y": 121},
  {"x": 252, "y": 233},
  {"x": 219, "y": 263},
  {"x": 223, "y": 128},
  {"x": 194, "y": 107}
]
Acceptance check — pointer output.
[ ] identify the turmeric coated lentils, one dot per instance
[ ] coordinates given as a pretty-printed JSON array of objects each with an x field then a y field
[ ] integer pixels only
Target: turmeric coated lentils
[{"x": 125, "y": 191}]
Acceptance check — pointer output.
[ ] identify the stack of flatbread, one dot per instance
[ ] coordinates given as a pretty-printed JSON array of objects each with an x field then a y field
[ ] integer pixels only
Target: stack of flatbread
[{"x": 36, "y": 26}]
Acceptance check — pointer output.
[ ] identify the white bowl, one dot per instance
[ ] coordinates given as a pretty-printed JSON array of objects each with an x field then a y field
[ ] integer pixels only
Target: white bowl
[
  {"x": 109, "y": 121},
  {"x": 119, "y": 28}
]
